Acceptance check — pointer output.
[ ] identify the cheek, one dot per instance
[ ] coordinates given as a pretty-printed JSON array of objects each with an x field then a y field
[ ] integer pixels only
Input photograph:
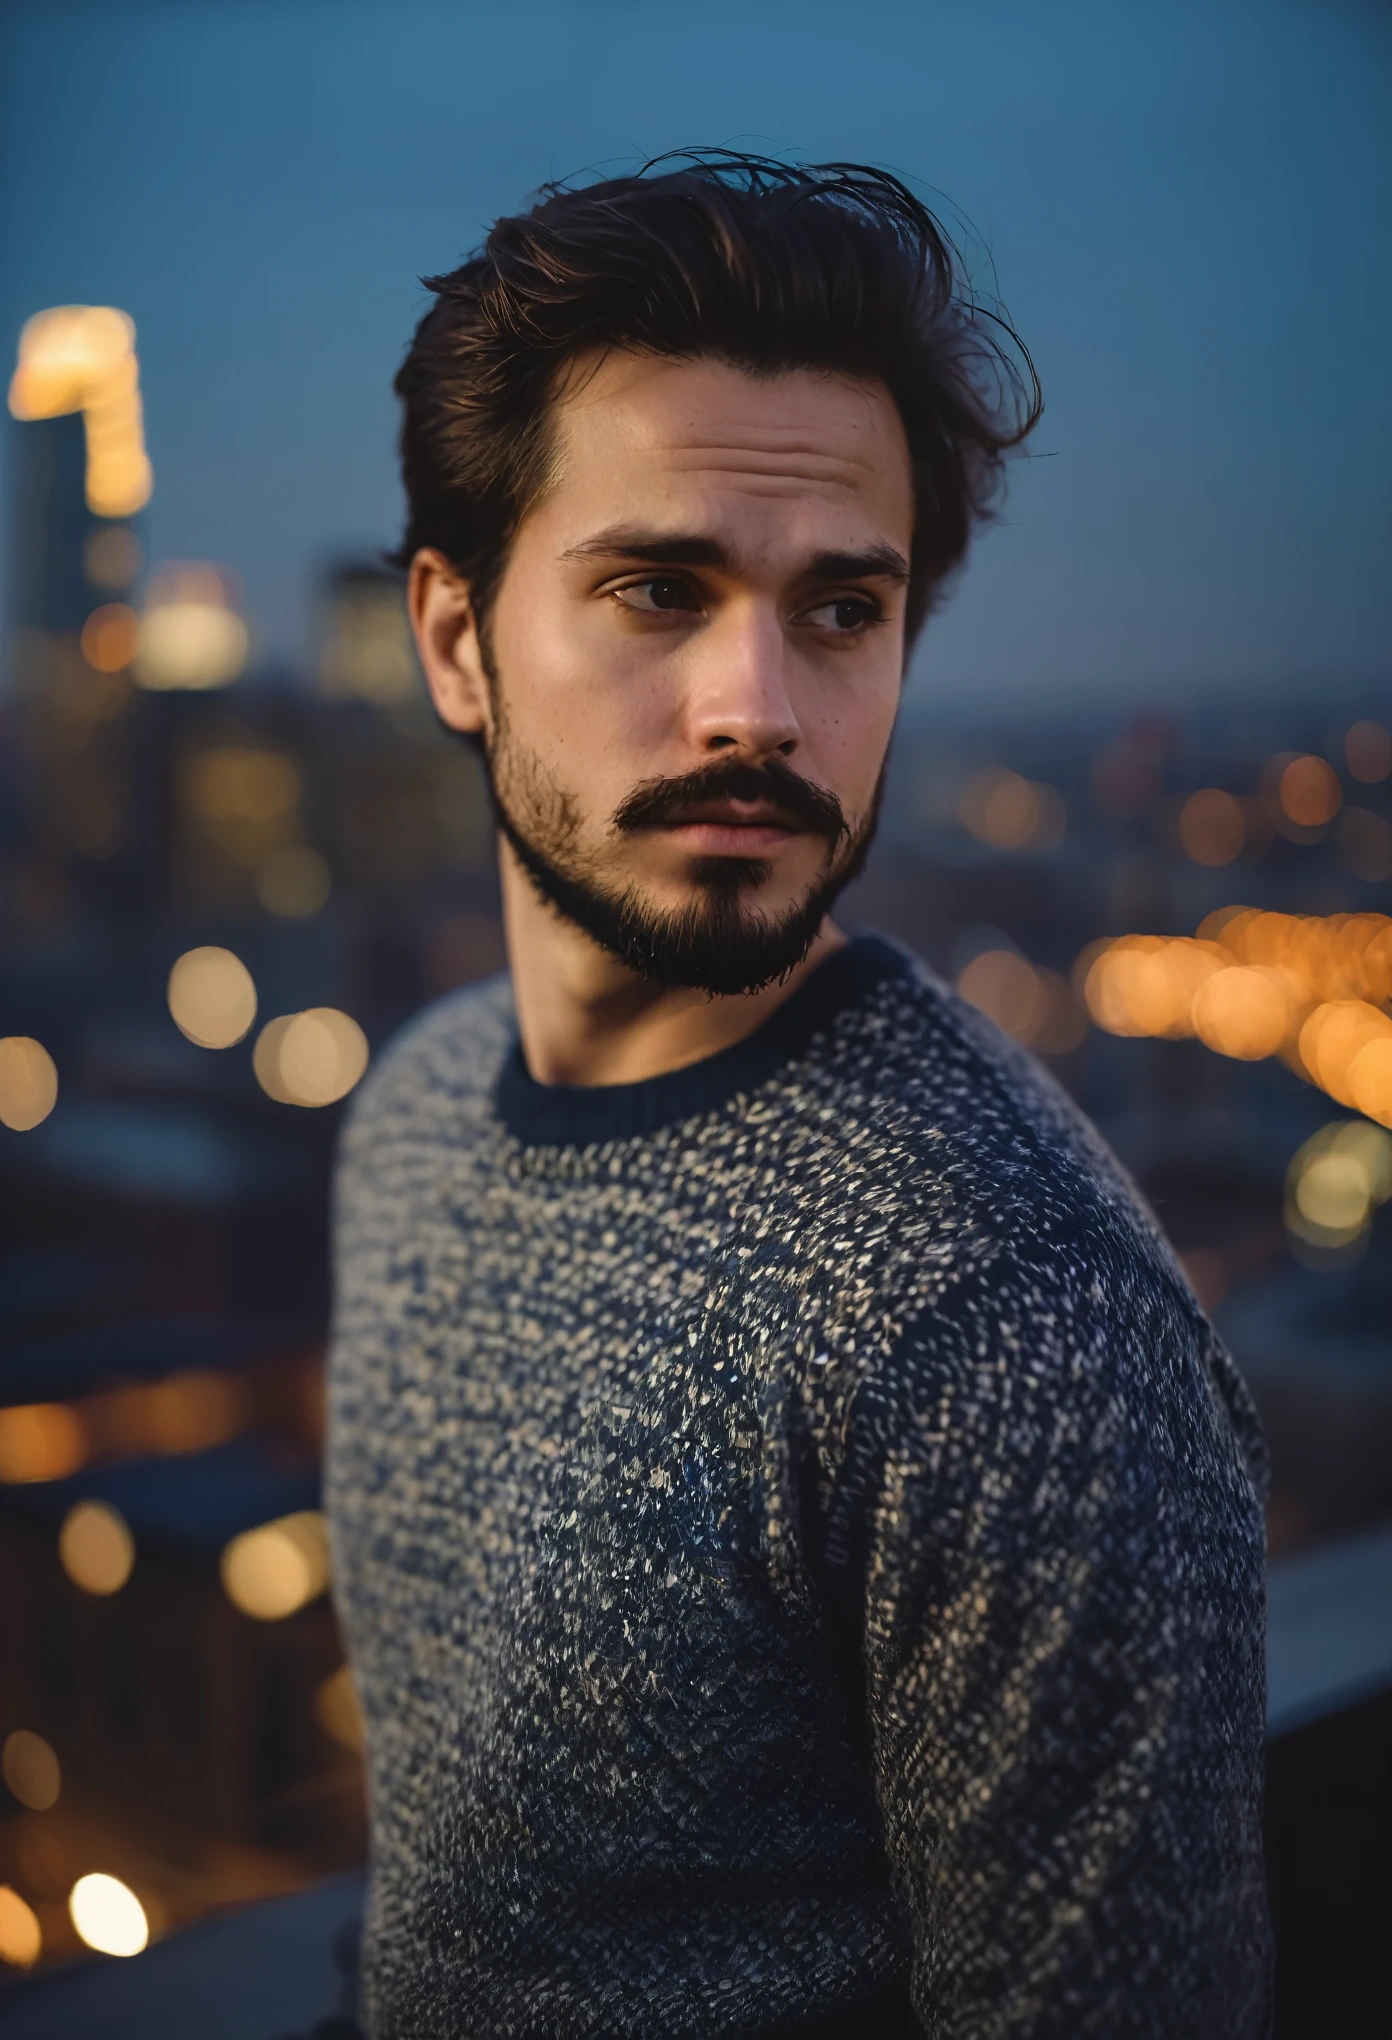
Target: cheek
[
  {"x": 574, "y": 689},
  {"x": 849, "y": 735}
]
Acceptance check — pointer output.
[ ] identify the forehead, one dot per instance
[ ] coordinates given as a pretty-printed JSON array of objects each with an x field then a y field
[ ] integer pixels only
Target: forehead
[{"x": 816, "y": 458}]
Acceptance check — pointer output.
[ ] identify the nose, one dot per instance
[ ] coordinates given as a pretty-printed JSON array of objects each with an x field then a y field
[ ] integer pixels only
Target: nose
[{"x": 737, "y": 697}]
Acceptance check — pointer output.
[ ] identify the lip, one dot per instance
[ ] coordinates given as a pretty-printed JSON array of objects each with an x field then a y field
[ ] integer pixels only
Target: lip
[
  {"x": 731, "y": 839},
  {"x": 732, "y": 827}
]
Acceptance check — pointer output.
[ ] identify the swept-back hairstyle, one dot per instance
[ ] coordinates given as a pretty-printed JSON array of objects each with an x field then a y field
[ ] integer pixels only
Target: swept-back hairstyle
[{"x": 768, "y": 266}]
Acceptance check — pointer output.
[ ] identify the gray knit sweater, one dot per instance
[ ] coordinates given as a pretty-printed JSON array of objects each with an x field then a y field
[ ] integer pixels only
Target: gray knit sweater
[{"x": 799, "y": 1543}]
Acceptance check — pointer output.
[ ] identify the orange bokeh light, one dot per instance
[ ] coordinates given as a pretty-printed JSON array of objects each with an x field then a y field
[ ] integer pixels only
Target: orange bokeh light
[
  {"x": 41, "y": 1441},
  {"x": 1212, "y": 826},
  {"x": 1308, "y": 988},
  {"x": 1242, "y": 1011},
  {"x": 1310, "y": 792},
  {"x": 1146, "y": 984},
  {"x": 110, "y": 637},
  {"x": 1333, "y": 1036},
  {"x": 1369, "y": 1079}
]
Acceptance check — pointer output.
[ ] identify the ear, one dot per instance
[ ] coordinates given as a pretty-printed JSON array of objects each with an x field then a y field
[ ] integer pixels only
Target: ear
[{"x": 447, "y": 639}]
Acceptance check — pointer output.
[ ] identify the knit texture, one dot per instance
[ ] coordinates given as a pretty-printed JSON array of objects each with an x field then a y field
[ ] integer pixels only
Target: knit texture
[{"x": 799, "y": 1543}]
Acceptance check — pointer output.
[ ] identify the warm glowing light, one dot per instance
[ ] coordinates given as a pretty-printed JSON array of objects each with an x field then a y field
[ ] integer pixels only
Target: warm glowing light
[
  {"x": 1333, "y": 1193},
  {"x": 1254, "y": 984},
  {"x": 31, "y": 1770},
  {"x": 190, "y": 633},
  {"x": 1242, "y": 1012},
  {"x": 64, "y": 354},
  {"x": 1335, "y": 1181},
  {"x": 211, "y": 997},
  {"x": 1117, "y": 987},
  {"x": 96, "y": 1547},
  {"x": 311, "y": 1058},
  {"x": 1212, "y": 827},
  {"x": 1369, "y": 1080},
  {"x": 41, "y": 1441},
  {"x": 1144, "y": 984},
  {"x": 108, "y": 1915},
  {"x": 1368, "y": 750},
  {"x": 82, "y": 358},
  {"x": 265, "y": 1058},
  {"x": 1309, "y": 792},
  {"x": 21, "y": 1938},
  {"x": 1333, "y": 1036},
  {"x": 110, "y": 636},
  {"x": 1010, "y": 813},
  {"x": 339, "y": 1710},
  {"x": 273, "y": 1571},
  {"x": 294, "y": 881},
  {"x": 186, "y": 1412},
  {"x": 28, "y": 1082}
]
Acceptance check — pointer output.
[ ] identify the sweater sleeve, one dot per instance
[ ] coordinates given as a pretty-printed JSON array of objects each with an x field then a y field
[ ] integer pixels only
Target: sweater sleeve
[{"x": 1057, "y": 1544}]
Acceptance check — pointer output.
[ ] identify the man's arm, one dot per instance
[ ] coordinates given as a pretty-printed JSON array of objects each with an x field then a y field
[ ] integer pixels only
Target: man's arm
[{"x": 1060, "y": 1544}]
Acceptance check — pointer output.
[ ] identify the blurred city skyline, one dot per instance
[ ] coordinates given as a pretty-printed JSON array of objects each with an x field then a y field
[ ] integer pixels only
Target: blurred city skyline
[
  {"x": 1182, "y": 204},
  {"x": 1140, "y": 815}
]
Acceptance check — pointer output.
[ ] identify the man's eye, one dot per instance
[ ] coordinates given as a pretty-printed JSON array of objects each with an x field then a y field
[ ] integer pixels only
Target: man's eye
[
  {"x": 845, "y": 615},
  {"x": 661, "y": 593}
]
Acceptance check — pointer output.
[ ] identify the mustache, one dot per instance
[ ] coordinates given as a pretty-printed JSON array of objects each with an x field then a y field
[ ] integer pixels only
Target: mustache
[{"x": 798, "y": 803}]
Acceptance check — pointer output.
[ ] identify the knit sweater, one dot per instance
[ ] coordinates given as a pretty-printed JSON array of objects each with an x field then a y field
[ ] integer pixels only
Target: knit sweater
[{"x": 799, "y": 1543}]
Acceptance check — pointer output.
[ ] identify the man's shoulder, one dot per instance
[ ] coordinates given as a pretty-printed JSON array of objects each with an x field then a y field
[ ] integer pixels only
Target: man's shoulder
[
  {"x": 442, "y": 1062},
  {"x": 1028, "y": 1263},
  {"x": 935, "y": 1092}
]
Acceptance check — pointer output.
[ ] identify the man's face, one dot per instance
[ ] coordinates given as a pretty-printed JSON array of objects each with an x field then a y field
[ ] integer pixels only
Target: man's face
[{"x": 695, "y": 657}]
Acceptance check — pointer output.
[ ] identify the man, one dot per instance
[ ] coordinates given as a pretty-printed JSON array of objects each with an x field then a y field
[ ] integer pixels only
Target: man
[{"x": 798, "y": 1538}]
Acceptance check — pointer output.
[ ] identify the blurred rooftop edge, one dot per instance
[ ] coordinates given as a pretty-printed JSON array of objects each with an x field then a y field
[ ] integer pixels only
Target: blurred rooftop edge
[{"x": 223, "y": 888}]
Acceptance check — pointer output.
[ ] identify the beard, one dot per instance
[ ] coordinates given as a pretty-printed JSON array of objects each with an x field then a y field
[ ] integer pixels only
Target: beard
[{"x": 719, "y": 942}]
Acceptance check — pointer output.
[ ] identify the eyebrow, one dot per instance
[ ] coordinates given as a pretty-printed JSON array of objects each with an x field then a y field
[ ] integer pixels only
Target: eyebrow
[{"x": 879, "y": 562}]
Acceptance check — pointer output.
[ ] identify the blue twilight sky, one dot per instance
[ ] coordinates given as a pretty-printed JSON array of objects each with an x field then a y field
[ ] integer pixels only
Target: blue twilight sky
[{"x": 1187, "y": 204}]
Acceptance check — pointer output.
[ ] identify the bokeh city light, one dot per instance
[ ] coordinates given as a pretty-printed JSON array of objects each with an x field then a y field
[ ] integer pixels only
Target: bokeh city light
[
  {"x": 1308, "y": 988},
  {"x": 96, "y": 1548},
  {"x": 21, "y": 1937},
  {"x": 108, "y": 1916},
  {"x": 31, "y": 1769},
  {"x": 82, "y": 358},
  {"x": 28, "y": 1083},
  {"x": 1336, "y": 1181},
  {"x": 312, "y": 1058},
  {"x": 212, "y": 999},
  {"x": 278, "y": 1568},
  {"x": 191, "y": 636},
  {"x": 339, "y": 1710},
  {"x": 1001, "y": 808},
  {"x": 41, "y": 1441},
  {"x": 1212, "y": 826}
]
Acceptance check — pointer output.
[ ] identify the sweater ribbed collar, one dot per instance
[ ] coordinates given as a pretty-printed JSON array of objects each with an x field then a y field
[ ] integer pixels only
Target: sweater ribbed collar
[{"x": 583, "y": 1115}]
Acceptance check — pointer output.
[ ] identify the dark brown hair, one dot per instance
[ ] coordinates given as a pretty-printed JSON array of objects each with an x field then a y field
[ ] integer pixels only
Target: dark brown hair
[{"x": 769, "y": 266}]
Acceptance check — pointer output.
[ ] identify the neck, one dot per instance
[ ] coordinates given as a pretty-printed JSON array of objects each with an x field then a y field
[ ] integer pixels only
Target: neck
[{"x": 585, "y": 1018}]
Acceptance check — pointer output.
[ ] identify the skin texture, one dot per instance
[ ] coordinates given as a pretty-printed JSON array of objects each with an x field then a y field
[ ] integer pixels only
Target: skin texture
[{"x": 745, "y": 637}]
